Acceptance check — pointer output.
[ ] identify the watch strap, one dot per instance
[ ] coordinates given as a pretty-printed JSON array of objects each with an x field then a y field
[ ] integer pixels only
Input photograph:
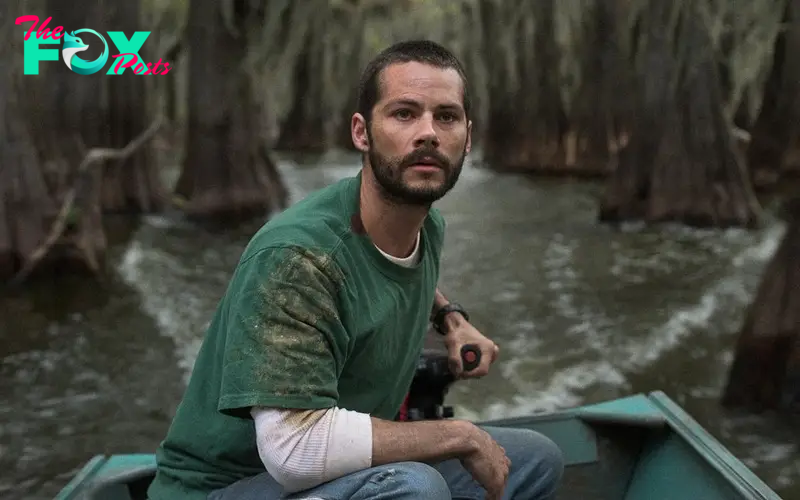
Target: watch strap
[{"x": 442, "y": 312}]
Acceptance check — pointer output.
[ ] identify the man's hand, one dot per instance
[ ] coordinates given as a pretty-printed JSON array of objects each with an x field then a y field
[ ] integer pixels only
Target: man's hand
[
  {"x": 488, "y": 464},
  {"x": 459, "y": 333},
  {"x": 433, "y": 441}
]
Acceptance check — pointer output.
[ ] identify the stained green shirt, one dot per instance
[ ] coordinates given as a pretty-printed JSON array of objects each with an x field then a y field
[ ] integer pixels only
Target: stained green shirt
[{"x": 314, "y": 317}]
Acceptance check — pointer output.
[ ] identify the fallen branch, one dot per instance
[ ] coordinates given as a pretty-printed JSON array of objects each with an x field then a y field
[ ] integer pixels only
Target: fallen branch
[{"x": 93, "y": 156}]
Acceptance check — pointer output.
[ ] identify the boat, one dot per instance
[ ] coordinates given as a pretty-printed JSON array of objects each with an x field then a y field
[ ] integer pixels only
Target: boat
[{"x": 639, "y": 447}]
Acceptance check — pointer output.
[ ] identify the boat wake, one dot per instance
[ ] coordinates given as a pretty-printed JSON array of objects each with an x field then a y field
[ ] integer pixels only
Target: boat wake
[{"x": 609, "y": 350}]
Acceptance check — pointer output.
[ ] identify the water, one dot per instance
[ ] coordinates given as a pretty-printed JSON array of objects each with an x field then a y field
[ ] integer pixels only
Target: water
[{"x": 582, "y": 313}]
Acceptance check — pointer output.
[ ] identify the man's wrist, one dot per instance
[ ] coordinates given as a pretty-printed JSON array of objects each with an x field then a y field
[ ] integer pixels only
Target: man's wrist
[
  {"x": 452, "y": 321},
  {"x": 448, "y": 317},
  {"x": 469, "y": 441}
]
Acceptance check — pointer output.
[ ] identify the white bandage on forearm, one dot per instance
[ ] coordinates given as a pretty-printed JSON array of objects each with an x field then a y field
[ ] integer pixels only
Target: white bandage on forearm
[{"x": 304, "y": 448}]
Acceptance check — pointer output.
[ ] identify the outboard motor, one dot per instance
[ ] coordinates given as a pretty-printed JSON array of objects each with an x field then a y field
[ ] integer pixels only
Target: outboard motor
[{"x": 432, "y": 380}]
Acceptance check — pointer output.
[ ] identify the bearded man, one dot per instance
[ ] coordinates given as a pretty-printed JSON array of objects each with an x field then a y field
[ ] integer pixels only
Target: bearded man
[{"x": 314, "y": 345}]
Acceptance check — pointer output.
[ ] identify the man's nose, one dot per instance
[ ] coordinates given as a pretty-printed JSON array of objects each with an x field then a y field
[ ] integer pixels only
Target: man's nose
[{"x": 426, "y": 134}]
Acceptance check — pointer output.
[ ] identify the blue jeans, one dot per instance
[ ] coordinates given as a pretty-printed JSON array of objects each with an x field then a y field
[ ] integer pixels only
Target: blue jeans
[{"x": 536, "y": 469}]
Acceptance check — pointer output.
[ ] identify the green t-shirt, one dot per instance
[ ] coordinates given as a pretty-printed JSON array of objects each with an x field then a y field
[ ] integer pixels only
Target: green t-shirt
[{"x": 314, "y": 317}]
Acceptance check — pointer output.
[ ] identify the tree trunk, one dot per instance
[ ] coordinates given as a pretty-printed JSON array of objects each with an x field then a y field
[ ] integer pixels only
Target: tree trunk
[
  {"x": 470, "y": 32},
  {"x": 324, "y": 72},
  {"x": 766, "y": 369},
  {"x": 525, "y": 117},
  {"x": 776, "y": 127},
  {"x": 44, "y": 123},
  {"x": 304, "y": 127},
  {"x": 791, "y": 162},
  {"x": 77, "y": 120},
  {"x": 681, "y": 164},
  {"x": 26, "y": 206},
  {"x": 132, "y": 185},
  {"x": 353, "y": 65},
  {"x": 170, "y": 84},
  {"x": 597, "y": 115},
  {"x": 227, "y": 173}
]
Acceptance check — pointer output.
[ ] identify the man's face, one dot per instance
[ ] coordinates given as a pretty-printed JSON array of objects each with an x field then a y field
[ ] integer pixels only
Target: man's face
[{"x": 419, "y": 135}]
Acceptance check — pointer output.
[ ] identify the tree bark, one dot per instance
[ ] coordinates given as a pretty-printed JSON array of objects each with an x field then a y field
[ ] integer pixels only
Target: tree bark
[
  {"x": 304, "y": 127},
  {"x": 170, "y": 83},
  {"x": 791, "y": 161},
  {"x": 681, "y": 164},
  {"x": 227, "y": 173},
  {"x": 766, "y": 369},
  {"x": 26, "y": 205},
  {"x": 132, "y": 185},
  {"x": 351, "y": 70},
  {"x": 597, "y": 115},
  {"x": 76, "y": 117},
  {"x": 324, "y": 72},
  {"x": 525, "y": 117},
  {"x": 776, "y": 129},
  {"x": 471, "y": 49}
]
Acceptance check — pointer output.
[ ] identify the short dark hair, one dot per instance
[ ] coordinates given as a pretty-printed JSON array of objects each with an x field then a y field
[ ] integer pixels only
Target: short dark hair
[{"x": 421, "y": 51}]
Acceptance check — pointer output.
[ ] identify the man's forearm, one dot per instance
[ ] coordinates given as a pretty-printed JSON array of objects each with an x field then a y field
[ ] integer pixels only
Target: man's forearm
[{"x": 426, "y": 441}]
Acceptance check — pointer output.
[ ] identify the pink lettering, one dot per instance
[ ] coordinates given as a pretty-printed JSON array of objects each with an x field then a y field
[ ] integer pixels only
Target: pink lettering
[
  {"x": 25, "y": 19},
  {"x": 121, "y": 63},
  {"x": 139, "y": 68},
  {"x": 42, "y": 32},
  {"x": 156, "y": 68}
]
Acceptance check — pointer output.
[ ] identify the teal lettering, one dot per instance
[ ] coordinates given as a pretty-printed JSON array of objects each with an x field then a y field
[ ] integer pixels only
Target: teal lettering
[
  {"x": 126, "y": 46},
  {"x": 33, "y": 53}
]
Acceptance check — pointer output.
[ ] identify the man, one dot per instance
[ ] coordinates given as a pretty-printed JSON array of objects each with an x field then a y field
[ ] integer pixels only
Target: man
[{"x": 315, "y": 343}]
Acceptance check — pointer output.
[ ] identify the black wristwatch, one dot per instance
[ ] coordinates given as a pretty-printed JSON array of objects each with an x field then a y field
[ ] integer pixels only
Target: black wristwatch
[{"x": 438, "y": 317}]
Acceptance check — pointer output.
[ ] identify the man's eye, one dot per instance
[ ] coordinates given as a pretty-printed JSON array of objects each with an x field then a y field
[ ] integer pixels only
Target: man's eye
[
  {"x": 448, "y": 117},
  {"x": 402, "y": 114}
]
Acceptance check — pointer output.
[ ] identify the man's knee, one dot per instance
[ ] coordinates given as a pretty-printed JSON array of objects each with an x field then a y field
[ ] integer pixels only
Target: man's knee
[
  {"x": 549, "y": 457},
  {"x": 532, "y": 454},
  {"x": 411, "y": 480}
]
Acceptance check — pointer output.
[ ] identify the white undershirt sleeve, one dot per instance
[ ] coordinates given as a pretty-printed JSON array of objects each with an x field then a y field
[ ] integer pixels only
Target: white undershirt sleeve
[{"x": 304, "y": 448}]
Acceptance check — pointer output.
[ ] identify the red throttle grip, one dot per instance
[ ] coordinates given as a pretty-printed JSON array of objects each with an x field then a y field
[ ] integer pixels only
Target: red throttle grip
[{"x": 470, "y": 357}]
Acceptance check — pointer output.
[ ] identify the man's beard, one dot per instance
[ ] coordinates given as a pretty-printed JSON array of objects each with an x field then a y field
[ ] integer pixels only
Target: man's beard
[{"x": 389, "y": 174}]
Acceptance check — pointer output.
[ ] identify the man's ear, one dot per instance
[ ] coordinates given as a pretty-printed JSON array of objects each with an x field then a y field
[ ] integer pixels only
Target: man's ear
[{"x": 358, "y": 132}]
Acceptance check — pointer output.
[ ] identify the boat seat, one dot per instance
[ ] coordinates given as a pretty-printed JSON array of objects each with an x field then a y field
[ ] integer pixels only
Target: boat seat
[{"x": 128, "y": 485}]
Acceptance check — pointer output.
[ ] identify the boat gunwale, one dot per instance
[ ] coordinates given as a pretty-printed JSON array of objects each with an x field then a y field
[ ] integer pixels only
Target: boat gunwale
[
  {"x": 737, "y": 474},
  {"x": 86, "y": 472}
]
